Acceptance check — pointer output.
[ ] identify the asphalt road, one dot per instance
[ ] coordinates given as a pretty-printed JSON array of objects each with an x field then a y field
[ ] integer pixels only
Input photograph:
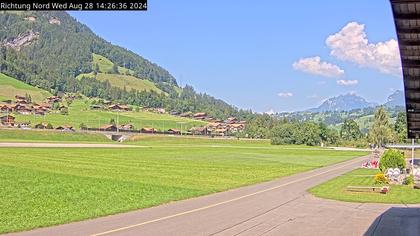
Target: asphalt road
[{"x": 279, "y": 207}]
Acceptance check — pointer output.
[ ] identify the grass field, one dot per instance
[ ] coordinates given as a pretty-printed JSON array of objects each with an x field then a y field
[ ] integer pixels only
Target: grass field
[
  {"x": 9, "y": 87},
  {"x": 105, "y": 65},
  {"x": 129, "y": 82},
  {"x": 122, "y": 80},
  {"x": 42, "y": 187},
  {"x": 12, "y": 135},
  {"x": 79, "y": 112},
  {"x": 336, "y": 189}
]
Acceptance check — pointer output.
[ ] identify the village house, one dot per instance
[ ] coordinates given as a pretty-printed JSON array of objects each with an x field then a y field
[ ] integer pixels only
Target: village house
[
  {"x": 148, "y": 130},
  {"x": 127, "y": 127},
  {"x": 220, "y": 132},
  {"x": 200, "y": 116},
  {"x": 42, "y": 126},
  {"x": 18, "y": 97},
  {"x": 231, "y": 120},
  {"x": 6, "y": 108},
  {"x": 24, "y": 110},
  {"x": 119, "y": 108},
  {"x": 199, "y": 131},
  {"x": 108, "y": 128},
  {"x": 65, "y": 128},
  {"x": 39, "y": 110},
  {"x": 174, "y": 131},
  {"x": 7, "y": 120},
  {"x": 96, "y": 107},
  {"x": 53, "y": 99},
  {"x": 236, "y": 127},
  {"x": 24, "y": 125},
  {"x": 22, "y": 101}
]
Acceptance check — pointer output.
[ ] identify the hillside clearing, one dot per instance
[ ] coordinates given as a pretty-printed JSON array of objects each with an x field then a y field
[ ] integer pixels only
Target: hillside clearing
[{"x": 10, "y": 87}]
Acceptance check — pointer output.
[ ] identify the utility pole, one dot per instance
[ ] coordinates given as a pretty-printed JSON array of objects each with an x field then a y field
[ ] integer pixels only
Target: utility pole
[{"x": 118, "y": 117}]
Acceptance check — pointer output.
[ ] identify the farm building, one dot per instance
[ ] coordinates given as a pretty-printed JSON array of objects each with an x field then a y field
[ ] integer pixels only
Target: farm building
[
  {"x": 65, "y": 128},
  {"x": 8, "y": 120},
  {"x": 108, "y": 128},
  {"x": 199, "y": 130},
  {"x": 173, "y": 131},
  {"x": 148, "y": 130}
]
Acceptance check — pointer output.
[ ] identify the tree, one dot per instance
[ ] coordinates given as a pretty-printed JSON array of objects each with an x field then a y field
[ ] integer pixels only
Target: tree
[
  {"x": 381, "y": 133},
  {"x": 350, "y": 130},
  {"x": 400, "y": 126},
  {"x": 97, "y": 70},
  {"x": 114, "y": 69}
]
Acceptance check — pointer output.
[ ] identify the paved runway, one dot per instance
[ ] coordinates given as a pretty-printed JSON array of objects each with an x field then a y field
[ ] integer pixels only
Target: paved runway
[{"x": 279, "y": 207}]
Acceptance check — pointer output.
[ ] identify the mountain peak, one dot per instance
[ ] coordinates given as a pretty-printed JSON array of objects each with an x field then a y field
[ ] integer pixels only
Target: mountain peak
[
  {"x": 395, "y": 99},
  {"x": 343, "y": 102}
]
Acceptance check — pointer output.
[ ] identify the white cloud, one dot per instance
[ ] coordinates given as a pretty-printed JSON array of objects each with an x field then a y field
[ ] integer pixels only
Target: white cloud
[
  {"x": 314, "y": 65},
  {"x": 285, "y": 94},
  {"x": 347, "y": 82},
  {"x": 351, "y": 44}
]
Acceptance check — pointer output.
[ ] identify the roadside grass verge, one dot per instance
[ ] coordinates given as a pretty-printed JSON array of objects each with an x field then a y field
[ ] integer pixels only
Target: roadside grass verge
[
  {"x": 49, "y": 186},
  {"x": 336, "y": 189}
]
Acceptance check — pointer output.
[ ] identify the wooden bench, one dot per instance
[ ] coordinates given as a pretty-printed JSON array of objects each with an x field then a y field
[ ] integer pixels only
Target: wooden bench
[{"x": 376, "y": 189}]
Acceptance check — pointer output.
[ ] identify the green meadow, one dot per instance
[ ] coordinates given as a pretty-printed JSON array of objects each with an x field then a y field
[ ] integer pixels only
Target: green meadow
[
  {"x": 49, "y": 186},
  {"x": 336, "y": 189},
  {"x": 14, "y": 135},
  {"x": 9, "y": 87},
  {"x": 79, "y": 112}
]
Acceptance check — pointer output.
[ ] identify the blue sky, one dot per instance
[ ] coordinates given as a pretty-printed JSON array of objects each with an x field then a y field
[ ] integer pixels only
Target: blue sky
[{"x": 263, "y": 54}]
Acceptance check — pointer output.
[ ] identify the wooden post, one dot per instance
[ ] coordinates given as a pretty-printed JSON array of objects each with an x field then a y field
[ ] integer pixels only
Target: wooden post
[{"x": 412, "y": 156}]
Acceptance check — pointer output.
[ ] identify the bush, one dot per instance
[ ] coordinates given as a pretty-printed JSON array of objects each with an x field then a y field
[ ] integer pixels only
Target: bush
[
  {"x": 409, "y": 180},
  {"x": 392, "y": 159},
  {"x": 380, "y": 178}
]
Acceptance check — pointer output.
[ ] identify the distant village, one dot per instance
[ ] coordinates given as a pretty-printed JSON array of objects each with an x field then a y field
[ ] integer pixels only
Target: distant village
[{"x": 23, "y": 105}]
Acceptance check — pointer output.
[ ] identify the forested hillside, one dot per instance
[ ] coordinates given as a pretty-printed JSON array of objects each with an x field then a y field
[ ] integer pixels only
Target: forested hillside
[{"x": 50, "y": 50}]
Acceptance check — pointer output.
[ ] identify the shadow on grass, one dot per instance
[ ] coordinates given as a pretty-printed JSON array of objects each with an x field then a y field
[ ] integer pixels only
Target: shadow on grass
[{"x": 402, "y": 221}]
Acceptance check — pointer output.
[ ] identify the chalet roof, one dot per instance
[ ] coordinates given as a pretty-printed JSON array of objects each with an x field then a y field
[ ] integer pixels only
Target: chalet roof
[
  {"x": 407, "y": 22},
  {"x": 108, "y": 127}
]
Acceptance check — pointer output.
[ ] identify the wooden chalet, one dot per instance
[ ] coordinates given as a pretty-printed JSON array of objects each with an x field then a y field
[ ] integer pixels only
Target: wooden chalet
[
  {"x": 53, "y": 99},
  {"x": 18, "y": 97},
  {"x": 117, "y": 107},
  {"x": 65, "y": 128},
  {"x": 199, "y": 130},
  {"x": 174, "y": 131},
  {"x": 108, "y": 128},
  {"x": 41, "y": 126},
  {"x": 127, "y": 127},
  {"x": 200, "y": 116},
  {"x": 148, "y": 130},
  {"x": 7, "y": 120}
]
